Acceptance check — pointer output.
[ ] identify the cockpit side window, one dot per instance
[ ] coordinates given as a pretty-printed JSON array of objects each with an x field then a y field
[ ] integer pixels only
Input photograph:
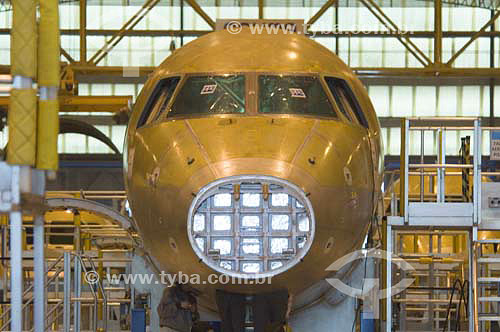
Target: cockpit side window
[
  {"x": 205, "y": 95},
  {"x": 159, "y": 99},
  {"x": 345, "y": 99},
  {"x": 279, "y": 94}
]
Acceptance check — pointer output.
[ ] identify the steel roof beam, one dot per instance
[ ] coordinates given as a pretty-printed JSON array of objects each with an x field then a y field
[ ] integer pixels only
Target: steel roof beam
[
  {"x": 129, "y": 25},
  {"x": 391, "y": 26},
  {"x": 474, "y": 37},
  {"x": 320, "y": 12}
]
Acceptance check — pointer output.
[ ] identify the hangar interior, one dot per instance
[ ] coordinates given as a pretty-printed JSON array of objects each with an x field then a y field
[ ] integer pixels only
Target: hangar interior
[{"x": 431, "y": 70}]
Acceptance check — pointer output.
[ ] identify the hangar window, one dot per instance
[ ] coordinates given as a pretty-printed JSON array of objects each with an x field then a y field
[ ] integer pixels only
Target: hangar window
[
  {"x": 345, "y": 99},
  {"x": 303, "y": 95},
  {"x": 159, "y": 99},
  {"x": 210, "y": 95},
  {"x": 251, "y": 225}
]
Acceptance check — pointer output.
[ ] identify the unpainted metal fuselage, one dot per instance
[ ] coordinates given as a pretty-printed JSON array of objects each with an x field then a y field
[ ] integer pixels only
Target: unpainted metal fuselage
[{"x": 335, "y": 161}]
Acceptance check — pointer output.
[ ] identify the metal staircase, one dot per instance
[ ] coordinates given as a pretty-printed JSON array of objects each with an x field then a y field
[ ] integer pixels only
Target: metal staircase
[
  {"x": 435, "y": 301},
  {"x": 83, "y": 264},
  {"x": 76, "y": 292},
  {"x": 488, "y": 284},
  {"x": 83, "y": 238},
  {"x": 449, "y": 206},
  {"x": 54, "y": 270}
]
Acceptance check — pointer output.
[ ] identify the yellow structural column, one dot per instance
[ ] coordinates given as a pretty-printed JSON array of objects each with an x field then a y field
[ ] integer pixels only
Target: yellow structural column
[
  {"x": 22, "y": 106},
  {"x": 25, "y": 239},
  {"x": 22, "y": 137},
  {"x": 4, "y": 222},
  {"x": 48, "y": 80},
  {"x": 87, "y": 241},
  {"x": 77, "y": 222}
]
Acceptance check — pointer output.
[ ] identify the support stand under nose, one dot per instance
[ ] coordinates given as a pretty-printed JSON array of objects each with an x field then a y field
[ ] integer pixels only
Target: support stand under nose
[{"x": 257, "y": 313}]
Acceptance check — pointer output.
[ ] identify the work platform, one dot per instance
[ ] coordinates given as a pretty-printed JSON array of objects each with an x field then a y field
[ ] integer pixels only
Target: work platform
[
  {"x": 86, "y": 239},
  {"x": 456, "y": 285}
]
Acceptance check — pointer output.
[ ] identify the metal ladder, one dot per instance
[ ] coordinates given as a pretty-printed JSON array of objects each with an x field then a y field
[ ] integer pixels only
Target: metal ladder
[
  {"x": 82, "y": 264},
  {"x": 55, "y": 270},
  {"x": 431, "y": 302},
  {"x": 60, "y": 304},
  {"x": 488, "y": 284}
]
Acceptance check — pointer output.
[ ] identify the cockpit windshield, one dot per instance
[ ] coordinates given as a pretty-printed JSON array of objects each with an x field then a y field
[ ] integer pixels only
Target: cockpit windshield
[
  {"x": 303, "y": 95},
  {"x": 223, "y": 94}
]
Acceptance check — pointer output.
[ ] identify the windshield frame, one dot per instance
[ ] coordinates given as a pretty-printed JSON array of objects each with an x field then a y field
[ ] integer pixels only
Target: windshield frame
[
  {"x": 184, "y": 77},
  {"x": 152, "y": 98},
  {"x": 319, "y": 77},
  {"x": 353, "y": 121},
  {"x": 251, "y": 98}
]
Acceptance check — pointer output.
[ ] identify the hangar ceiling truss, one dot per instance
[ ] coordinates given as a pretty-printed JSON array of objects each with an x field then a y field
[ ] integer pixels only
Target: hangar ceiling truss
[{"x": 431, "y": 65}]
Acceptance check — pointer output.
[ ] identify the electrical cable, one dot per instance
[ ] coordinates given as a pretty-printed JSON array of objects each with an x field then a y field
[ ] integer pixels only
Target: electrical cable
[{"x": 462, "y": 288}]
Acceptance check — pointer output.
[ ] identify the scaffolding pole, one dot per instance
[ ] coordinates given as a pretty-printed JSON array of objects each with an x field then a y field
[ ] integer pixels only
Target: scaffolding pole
[
  {"x": 16, "y": 256},
  {"x": 67, "y": 293},
  {"x": 39, "y": 274},
  {"x": 39, "y": 295}
]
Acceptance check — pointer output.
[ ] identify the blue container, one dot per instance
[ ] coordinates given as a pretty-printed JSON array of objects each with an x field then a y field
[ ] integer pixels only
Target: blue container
[
  {"x": 215, "y": 326},
  {"x": 138, "y": 320},
  {"x": 367, "y": 322}
]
